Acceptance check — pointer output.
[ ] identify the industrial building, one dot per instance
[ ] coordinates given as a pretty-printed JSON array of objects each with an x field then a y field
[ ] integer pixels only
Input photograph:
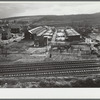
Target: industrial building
[
  {"x": 37, "y": 36},
  {"x": 34, "y": 31},
  {"x": 48, "y": 34},
  {"x": 72, "y": 35}
]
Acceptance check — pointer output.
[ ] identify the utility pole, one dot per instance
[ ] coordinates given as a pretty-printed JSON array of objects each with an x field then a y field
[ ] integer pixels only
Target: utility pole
[
  {"x": 6, "y": 50},
  {"x": 47, "y": 45},
  {"x": 2, "y": 47}
]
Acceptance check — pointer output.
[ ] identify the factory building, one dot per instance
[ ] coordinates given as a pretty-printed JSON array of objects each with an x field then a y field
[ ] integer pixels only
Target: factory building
[
  {"x": 37, "y": 36},
  {"x": 72, "y": 35},
  {"x": 34, "y": 32}
]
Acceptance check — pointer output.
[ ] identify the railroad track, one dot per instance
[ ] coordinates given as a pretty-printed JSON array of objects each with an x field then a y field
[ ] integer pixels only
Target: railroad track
[
  {"x": 51, "y": 69},
  {"x": 52, "y": 63},
  {"x": 76, "y": 72},
  {"x": 43, "y": 68},
  {"x": 48, "y": 67}
]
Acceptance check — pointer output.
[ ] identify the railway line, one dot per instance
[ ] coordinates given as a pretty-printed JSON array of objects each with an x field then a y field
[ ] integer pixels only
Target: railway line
[
  {"x": 50, "y": 66},
  {"x": 52, "y": 63},
  {"x": 76, "y": 72},
  {"x": 56, "y": 67},
  {"x": 69, "y": 68}
]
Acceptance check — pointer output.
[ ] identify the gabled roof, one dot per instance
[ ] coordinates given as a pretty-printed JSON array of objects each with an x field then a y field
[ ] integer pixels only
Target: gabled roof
[
  {"x": 35, "y": 30},
  {"x": 38, "y": 30},
  {"x": 71, "y": 32}
]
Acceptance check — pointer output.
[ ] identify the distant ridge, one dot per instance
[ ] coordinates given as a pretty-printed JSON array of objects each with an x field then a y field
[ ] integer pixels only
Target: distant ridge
[{"x": 58, "y": 19}]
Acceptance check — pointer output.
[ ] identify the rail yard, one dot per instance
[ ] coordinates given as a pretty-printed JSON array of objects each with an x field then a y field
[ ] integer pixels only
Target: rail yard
[
  {"x": 75, "y": 68},
  {"x": 48, "y": 51},
  {"x": 63, "y": 52}
]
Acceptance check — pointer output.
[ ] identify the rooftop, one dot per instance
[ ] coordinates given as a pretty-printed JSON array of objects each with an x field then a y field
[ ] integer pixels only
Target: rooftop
[
  {"x": 71, "y": 32},
  {"x": 35, "y": 30}
]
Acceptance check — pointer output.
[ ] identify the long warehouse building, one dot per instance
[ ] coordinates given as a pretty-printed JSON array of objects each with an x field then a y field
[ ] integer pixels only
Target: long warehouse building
[{"x": 72, "y": 35}]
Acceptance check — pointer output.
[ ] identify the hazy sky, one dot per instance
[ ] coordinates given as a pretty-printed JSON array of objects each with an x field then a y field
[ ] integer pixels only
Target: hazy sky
[{"x": 11, "y": 9}]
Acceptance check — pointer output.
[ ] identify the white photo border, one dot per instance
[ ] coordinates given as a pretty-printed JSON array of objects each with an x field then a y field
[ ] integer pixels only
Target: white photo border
[{"x": 49, "y": 93}]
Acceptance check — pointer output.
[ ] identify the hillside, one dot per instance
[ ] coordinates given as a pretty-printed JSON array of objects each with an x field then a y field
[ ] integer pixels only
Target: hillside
[
  {"x": 66, "y": 19},
  {"x": 59, "y": 20},
  {"x": 24, "y": 18}
]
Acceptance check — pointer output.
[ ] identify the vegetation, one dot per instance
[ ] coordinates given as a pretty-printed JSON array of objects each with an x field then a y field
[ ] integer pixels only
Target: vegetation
[
  {"x": 49, "y": 82},
  {"x": 56, "y": 20}
]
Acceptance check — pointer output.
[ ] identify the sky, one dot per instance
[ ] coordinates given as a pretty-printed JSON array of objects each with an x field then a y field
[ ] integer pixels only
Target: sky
[{"x": 12, "y": 9}]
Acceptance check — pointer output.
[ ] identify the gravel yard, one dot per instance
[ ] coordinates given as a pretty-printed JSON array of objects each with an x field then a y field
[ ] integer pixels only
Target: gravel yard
[{"x": 24, "y": 52}]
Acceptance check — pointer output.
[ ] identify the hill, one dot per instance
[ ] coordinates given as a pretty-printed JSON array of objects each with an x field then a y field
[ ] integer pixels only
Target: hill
[
  {"x": 59, "y": 20},
  {"x": 68, "y": 19}
]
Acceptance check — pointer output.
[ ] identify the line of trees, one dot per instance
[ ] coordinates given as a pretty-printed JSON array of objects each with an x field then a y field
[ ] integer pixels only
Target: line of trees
[{"x": 84, "y": 27}]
